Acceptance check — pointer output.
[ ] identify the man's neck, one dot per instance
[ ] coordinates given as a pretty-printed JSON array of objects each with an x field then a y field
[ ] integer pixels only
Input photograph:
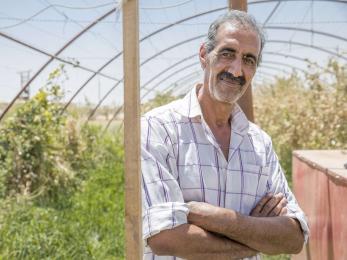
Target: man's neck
[{"x": 216, "y": 114}]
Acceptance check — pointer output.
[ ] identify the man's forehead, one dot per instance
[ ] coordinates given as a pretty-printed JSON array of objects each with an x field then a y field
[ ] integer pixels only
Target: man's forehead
[{"x": 230, "y": 33}]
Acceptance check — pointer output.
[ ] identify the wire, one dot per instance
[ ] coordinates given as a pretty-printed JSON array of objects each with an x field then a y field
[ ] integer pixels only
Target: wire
[
  {"x": 52, "y": 6},
  {"x": 166, "y": 7},
  {"x": 84, "y": 8},
  {"x": 55, "y": 56},
  {"x": 303, "y": 19},
  {"x": 97, "y": 35}
]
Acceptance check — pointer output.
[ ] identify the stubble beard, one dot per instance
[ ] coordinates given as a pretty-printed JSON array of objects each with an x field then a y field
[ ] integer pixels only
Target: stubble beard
[{"x": 222, "y": 93}]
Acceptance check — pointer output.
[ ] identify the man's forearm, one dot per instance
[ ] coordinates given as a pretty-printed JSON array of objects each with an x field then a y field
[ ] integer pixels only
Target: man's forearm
[
  {"x": 192, "y": 242},
  {"x": 271, "y": 235}
]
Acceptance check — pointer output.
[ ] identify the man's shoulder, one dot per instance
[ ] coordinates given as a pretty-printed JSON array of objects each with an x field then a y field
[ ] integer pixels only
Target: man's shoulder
[
  {"x": 257, "y": 133},
  {"x": 163, "y": 113}
]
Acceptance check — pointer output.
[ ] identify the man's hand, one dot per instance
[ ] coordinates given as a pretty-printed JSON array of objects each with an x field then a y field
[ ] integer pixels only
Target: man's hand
[{"x": 270, "y": 206}]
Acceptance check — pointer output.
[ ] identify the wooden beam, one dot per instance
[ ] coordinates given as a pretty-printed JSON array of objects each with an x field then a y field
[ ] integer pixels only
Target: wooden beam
[
  {"x": 238, "y": 5},
  {"x": 246, "y": 101},
  {"x": 133, "y": 216}
]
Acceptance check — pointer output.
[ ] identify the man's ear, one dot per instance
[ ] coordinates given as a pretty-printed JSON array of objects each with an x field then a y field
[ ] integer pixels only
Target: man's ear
[{"x": 203, "y": 56}]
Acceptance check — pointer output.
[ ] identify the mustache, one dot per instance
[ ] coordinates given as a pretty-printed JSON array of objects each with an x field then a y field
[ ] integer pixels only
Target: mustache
[{"x": 240, "y": 80}]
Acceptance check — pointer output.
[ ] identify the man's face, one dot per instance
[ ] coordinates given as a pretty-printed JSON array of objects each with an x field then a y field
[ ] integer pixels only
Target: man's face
[{"x": 231, "y": 65}]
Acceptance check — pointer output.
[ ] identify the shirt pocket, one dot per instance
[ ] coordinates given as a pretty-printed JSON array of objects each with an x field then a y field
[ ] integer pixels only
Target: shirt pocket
[{"x": 255, "y": 179}]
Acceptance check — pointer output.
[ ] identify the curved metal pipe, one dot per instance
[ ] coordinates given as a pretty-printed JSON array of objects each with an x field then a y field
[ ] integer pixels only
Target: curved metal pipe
[
  {"x": 292, "y": 57},
  {"x": 87, "y": 81},
  {"x": 269, "y": 1},
  {"x": 190, "y": 65},
  {"x": 220, "y": 9},
  {"x": 167, "y": 69},
  {"x": 169, "y": 76},
  {"x": 166, "y": 90},
  {"x": 265, "y": 52},
  {"x": 187, "y": 58},
  {"x": 282, "y": 64},
  {"x": 266, "y": 1},
  {"x": 194, "y": 72},
  {"x": 52, "y": 56},
  {"x": 275, "y": 41},
  {"x": 274, "y": 68},
  {"x": 166, "y": 27},
  {"x": 267, "y": 62},
  {"x": 114, "y": 58},
  {"x": 310, "y": 46},
  {"x": 197, "y": 37},
  {"x": 51, "y": 59},
  {"x": 306, "y": 31},
  {"x": 183, "y": 81},
  {"x": 102, "y": 100}
]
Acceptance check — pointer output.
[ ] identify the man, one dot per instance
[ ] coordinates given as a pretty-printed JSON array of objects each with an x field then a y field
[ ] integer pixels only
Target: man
[{"x": 212, "y": 184}]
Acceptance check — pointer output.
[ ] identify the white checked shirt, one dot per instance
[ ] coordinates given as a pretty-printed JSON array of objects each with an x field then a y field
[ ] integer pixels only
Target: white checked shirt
[{"x": 182, "y": 162}]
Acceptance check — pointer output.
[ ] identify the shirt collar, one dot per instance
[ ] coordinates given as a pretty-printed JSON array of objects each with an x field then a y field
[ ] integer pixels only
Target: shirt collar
[{"x": 189, "y": 107}]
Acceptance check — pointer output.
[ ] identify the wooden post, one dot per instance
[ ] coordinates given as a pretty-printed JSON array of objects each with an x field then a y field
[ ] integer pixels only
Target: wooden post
[
  {"x": 238, "y": 5},
  {"x": 246, "y": 101},
  {"x": 133, "y": 218}
]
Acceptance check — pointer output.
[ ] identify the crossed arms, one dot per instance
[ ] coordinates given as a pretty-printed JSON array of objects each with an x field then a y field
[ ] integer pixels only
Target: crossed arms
[{"x": 219, "y": 233}]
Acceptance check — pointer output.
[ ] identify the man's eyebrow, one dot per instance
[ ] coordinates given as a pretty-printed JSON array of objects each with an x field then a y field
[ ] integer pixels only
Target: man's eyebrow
[
  {"x": 227, "y": 49},
  {"x": 250, "y": 55}
]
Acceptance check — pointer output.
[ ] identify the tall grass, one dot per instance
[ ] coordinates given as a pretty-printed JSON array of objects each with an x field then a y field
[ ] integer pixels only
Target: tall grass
[
  {"x": 90, "y": 228},
  {"x": 61, "y": 184}
]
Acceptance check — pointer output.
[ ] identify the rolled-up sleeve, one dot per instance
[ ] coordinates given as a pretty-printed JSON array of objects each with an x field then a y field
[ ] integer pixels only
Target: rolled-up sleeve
[
  {"x": 163, "y": 205},
  {"x": 277, "y": 183}
]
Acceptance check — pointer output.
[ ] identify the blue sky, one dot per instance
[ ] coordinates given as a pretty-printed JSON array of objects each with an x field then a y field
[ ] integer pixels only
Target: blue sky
[{"x": 49, "y": 24}]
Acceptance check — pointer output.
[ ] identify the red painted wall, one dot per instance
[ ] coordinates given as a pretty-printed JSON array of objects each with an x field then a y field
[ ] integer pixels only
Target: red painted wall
[{"x": 322, "y": 194}]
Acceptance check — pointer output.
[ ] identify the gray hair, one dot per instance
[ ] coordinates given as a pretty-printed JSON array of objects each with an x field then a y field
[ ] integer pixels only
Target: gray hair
[{"x": 240, "y": 20}]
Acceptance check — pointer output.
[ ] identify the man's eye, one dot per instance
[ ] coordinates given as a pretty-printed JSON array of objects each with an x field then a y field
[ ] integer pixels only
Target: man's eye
[
  {"x": 248, "y": 60},
  {"x": 226, "y": 54}
]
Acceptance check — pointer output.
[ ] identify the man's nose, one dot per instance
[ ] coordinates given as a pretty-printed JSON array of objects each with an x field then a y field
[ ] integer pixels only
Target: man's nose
[{"x": 235, "y": 67}]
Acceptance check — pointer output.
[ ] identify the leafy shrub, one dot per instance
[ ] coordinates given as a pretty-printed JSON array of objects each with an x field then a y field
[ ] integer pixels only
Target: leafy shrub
[
  {"x": 42, "y": 153},
  {"x": 159, "y": 99},
  {"x": 91, "y": 228},
  {"x": 305, "y": 113},
  {"x": 61, "y": 184},
  {"x": 30, "y": 157}
]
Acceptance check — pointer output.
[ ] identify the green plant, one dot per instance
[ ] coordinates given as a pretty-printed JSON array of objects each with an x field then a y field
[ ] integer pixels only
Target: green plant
[
  {"x": 30, "y": 157},
  {"x": 305, "y": 113},
  {"x": 92, "y": 227},
  {"x": 158, "y": 100},
  {"x": 42, "y": 154}
]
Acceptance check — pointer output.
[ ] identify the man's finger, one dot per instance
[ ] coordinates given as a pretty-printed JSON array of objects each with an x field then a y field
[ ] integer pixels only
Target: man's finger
[
  {"x": 271, "y": 204},
  {"x": 277, "y": 209},
  {"x": 257, "y": 209},
  {"x": 283, "y": 211}
]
